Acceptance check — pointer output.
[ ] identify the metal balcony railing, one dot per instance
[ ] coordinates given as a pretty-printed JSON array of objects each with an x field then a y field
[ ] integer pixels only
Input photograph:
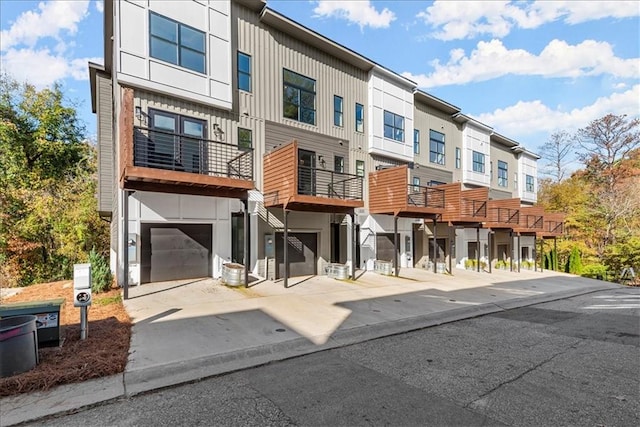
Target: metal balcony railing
[
  {"x": 506, "y": 215},
  {"x": 171, "y": 151},
  {"x": 421, "y": 196},
  {"x": 534, "y": 221},
  {"x": 473, "y": 208},
  {"x": 327, "y": 183}
]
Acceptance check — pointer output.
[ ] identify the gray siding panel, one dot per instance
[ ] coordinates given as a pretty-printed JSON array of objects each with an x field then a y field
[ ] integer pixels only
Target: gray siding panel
[
  {"x": 106, "y": 166},
  {"x": 499, "y": 195},
  {"x": 427, "y": 174}
]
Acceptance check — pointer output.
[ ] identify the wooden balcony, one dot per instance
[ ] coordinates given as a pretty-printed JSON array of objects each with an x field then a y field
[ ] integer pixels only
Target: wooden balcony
[
  {"x": 292, "y": 186},
  {"x": 464, "y": 206},
  {"x": 153, "y": 160},
  {"x": 531, "y": 220},
  {"x": 553, "y": 225},
  {"x": 503, "y": 214},
  {"x": 389, "y": 193}
]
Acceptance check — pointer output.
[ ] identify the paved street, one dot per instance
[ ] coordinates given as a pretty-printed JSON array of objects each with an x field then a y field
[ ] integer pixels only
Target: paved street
[{"x": 569, "y": 362}]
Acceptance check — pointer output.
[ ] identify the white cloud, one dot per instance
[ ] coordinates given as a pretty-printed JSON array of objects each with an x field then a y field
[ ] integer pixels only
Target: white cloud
[
  {"x": 460, "y": 20},
  {"x": 43, "y": 68},
  {"x": 492, "y": 59},
  {"x": 50, "y": 20},
  {"x": 534, "y": 116},
  {"x": 360, "y": 12},
  {"x": 100, "y": 6}
]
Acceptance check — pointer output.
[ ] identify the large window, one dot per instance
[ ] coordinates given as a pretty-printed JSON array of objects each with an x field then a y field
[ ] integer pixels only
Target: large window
[
  {"x": 393, "y": 126},
  {"x": 436, "y": 147},
  {"x": 245, "y": 138},
  {"x": 478, "y": 162},
  {"x": 359, "y": 118},
  {"x": 503, "y": 174},
  {"x": 244, "y": 72},
  {"x": 299, "y": 97},
  {"x": 176, "y": 43},
  {"x": 416, "y": 141},
  {"x": 529, "y": 184},
  {"x": 337, "y": 110},
  {"x": 458, "y": 157},
  {"x": 360, "y": 167}
]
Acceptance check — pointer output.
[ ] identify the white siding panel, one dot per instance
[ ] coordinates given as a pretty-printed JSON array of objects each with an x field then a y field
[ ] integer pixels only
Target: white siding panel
[
  {"x": 219, "y": 70},
  {"x": 158, "y": 206},
  {"x": 219, "y": 24},
  {"x": 133, "y": 65},
  {"x": 220, "y": 6},
  {"x": 187, "y": 12},
  {"x": 175, "y": 77},
  {"x": 222, "y": 208},
  {"x": 133, "y": 29},
  {"x": 197, "y": 207}
]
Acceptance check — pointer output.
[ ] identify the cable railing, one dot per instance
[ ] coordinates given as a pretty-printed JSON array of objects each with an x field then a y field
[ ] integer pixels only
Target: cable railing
[
  {"x": 330, "y": 184},
  {"x": 473, "y": 208},
  {"x": 183, "y": 153},
  {"x": 421, "y": 196},
  {"x": 505, "y": 215}
]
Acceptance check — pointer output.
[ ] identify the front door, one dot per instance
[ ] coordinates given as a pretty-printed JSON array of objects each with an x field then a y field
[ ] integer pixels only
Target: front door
[{"x": 307, "y": 172}]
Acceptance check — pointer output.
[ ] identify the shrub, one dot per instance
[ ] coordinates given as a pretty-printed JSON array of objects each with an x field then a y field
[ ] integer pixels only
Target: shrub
[
  {"x": 470, "y": 263},
  {"x": 101, "y": 277},
  {"x": 595, "y": 271},
  {"x": 574, "y": 264}
]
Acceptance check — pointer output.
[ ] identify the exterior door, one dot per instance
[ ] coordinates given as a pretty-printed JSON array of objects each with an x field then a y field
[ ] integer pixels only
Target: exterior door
[
  {"x": 307, "y": 172},
  {"x": 178, "y": 142}
]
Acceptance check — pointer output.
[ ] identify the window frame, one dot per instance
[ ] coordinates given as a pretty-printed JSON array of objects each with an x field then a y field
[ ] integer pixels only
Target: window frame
[
  {"x": 178, "y": 43},
  {"x": 243, "y": 72},
  {"x": 416, "y": 141},
  {"x": 503, "y": 174},
  {"x": 458, "y": 158},
  {"x": 396, "y": 127},
  {"x": 360, "y": 171},
  {"x": 478, "y": 164},
  {"x": 359, "y": 120},
  {"x": 437, "y": 147},
  {"x": 338, "y": 164},
  {"x": 338, "y": 114},
  {"x": 302, "y": 93},
  {"x": 240, "y": 139},
  {"x": 529, "y": 184},
  {"x": 415, "y": 181}
]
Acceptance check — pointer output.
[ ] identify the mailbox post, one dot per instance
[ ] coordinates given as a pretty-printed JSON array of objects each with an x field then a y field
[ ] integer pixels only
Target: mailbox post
[{"x": 82, "y": 294}]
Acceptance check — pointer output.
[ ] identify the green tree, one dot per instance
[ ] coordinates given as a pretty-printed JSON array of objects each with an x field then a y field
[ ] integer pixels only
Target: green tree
[
  {"x": 47, "y": 186},
  {"x": 574, "y": 264}
]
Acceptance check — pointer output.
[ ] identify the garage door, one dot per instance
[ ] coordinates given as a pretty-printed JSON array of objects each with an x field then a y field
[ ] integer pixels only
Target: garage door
[
  {"x": 174, "y": 251},
  {"x": 384, "y": 246},
  {"x": 303, "y": 254}
]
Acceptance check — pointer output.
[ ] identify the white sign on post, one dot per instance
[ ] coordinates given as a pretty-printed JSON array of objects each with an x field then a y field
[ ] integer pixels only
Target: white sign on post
[{"x": 81, "y": 285}]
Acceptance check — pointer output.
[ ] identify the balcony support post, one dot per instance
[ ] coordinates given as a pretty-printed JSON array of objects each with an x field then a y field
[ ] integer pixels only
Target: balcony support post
[
  {"x": 511, "y": 250},
  {"x": 535, "y": 254},
  {"x": 247, "y": 262},
  {"x": 395, "y": 246},
  {"x": 519, "y": 254},
  {"x": 125, "y": 245},
  {"x": 452, "y": 239},
  {"x": 555, "y": 253},
  {"x": 286, "y": 249},
  {"x": 478, "y": 249},
  {"x": 435, "y": 244},
  {"x": 490, "y": 246},
  {"x": 353, "y": 245},
  {"x": 541, "y": 255}
]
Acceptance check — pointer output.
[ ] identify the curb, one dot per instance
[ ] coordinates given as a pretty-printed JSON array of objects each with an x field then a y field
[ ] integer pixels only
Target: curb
[{"x": 73, "y": 397}]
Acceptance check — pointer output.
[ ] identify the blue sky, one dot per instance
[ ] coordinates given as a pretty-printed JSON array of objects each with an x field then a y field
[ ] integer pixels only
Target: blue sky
[{"x": 524, "y": 68}]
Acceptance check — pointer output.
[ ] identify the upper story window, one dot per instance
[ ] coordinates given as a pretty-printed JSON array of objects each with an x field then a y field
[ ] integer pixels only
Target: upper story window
[
  {"x": 245, "y": 138},
  {"x": 338, "y": 164},
  {"x": 359, "y": 118},
  {"x": 436, "y": 147},
  {"x": 529, "y": 184},
  {"x": 244, "y": 72},
  {"x": 416, "y": 141},
  {"x": 337, "y": 110},
  {"x": 360, "y": 167},
  {"x": 503, "y": 174},
  {"x": 299, "y": 97},
  {"x": 176, "y": 43},
  {"x": 478, "y": 162},
  {"x": 458, "y": 157},
  {"x": 393, "y": 126}
]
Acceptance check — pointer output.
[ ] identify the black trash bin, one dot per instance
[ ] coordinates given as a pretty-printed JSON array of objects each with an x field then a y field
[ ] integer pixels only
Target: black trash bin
[{"x": 18, "y": 344}]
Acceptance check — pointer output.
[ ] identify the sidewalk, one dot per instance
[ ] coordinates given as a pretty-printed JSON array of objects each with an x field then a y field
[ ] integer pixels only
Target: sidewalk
[{"x": 187, "y": 330}]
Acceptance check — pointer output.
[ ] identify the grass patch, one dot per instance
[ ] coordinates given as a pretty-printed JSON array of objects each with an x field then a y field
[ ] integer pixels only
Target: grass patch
[{"x": 116, "y": 299}]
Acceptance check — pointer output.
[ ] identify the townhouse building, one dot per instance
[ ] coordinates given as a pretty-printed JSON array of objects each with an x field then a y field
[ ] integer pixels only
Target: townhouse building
[{"x": 229, "y": 133}]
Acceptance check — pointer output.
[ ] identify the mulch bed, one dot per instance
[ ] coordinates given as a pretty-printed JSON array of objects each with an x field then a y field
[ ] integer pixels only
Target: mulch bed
[{"x": 103, "y": 353}]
